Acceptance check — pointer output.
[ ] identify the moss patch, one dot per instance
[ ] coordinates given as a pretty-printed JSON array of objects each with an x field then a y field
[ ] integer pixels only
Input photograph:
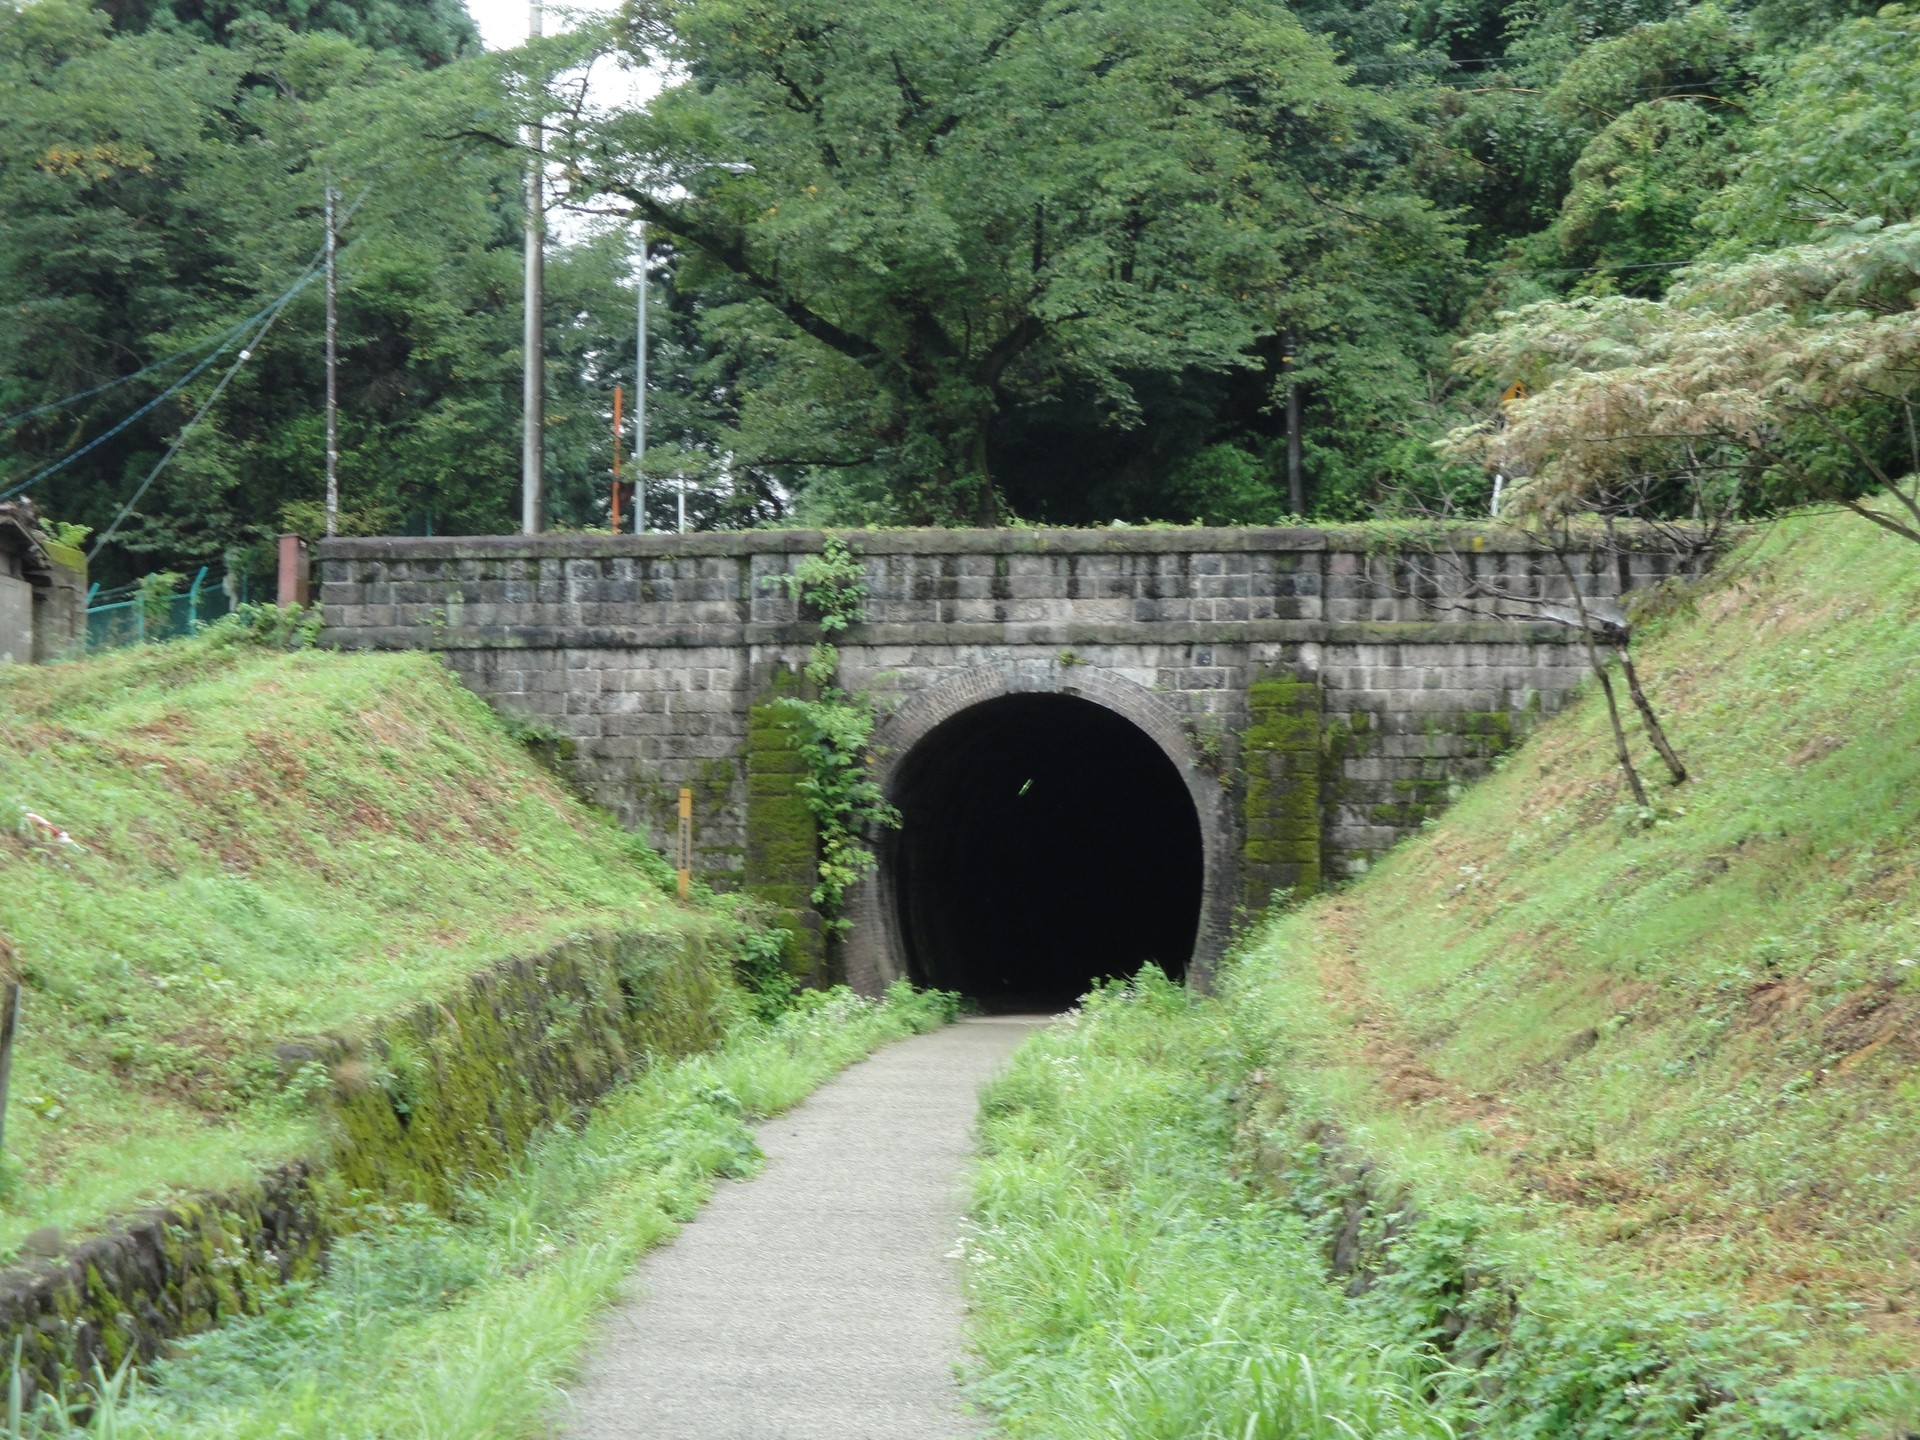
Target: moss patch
[
  {"x": 783, "y": 840},
  {"x": 1280, "y": 803}
]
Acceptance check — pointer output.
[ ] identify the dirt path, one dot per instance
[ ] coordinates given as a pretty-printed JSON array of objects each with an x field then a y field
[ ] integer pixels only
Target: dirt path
[{"x": 817, "y": 1299}]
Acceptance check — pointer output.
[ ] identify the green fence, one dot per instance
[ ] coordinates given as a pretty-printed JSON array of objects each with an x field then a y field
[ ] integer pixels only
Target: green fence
[{"x": 122, "y": 616}]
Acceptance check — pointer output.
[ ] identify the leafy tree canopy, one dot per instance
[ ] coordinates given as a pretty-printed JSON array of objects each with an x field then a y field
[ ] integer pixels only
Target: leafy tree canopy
[{"x": 944, "y": 215}]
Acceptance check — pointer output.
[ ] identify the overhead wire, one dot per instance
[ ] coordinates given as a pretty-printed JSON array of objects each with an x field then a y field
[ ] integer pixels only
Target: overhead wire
[
  {"x": 267, "y": 314},
  {"x": 246, "y": 354},
  {"x": 222, "y": 340}
]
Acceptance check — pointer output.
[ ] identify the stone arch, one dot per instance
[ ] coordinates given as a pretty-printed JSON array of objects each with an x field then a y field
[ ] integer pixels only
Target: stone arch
[{"x": 875, "y": 949}]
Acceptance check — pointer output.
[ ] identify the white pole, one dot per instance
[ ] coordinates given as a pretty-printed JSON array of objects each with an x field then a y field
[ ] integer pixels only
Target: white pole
[
  {"x": 533, "y": 342},
  {"x": 333, "y": 383},
  {"x": 640, "y": 398}
]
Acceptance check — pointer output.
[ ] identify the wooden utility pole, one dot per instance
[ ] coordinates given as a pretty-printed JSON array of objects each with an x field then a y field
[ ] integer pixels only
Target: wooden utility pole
[
  {"x": 533, "y": 342},
  {"x": 333, "y": 377}
]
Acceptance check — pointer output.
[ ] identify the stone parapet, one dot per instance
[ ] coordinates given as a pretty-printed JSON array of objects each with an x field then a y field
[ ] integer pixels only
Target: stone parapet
[{"x": 1427, "y": 655}]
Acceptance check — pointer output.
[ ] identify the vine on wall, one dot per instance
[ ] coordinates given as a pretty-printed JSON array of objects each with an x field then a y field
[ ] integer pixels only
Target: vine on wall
[{"x": 831, "y": 732}]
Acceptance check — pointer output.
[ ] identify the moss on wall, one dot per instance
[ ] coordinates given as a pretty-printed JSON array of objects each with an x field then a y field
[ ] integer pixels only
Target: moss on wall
[
  {"x": 452, "y": 1090},
  {"x": 1280, "y": 802},
  {"x": 457, "y": 1088},
  {"x": 783, "y": 840}
]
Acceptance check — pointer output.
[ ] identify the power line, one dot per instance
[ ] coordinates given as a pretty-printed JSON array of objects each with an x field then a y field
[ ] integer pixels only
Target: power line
[
  {"x": 222, "y": 340},
  {"x": 245, "y": 355},
  {"x": 311, "y": 273}
]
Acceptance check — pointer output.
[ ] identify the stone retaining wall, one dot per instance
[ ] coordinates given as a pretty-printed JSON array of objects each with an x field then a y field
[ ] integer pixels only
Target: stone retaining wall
[
  {"x": 453, "y": 1090},
  {"x": 654, "y": 653}
]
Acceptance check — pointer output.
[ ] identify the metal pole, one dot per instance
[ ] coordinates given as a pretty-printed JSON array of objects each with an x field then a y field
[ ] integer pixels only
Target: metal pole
[
  {"x": 333, "y": 380},
  {"x": 613, "y": 509},
  {"x": 533, "y": 342},
  {"x": 640, "y": 398}
]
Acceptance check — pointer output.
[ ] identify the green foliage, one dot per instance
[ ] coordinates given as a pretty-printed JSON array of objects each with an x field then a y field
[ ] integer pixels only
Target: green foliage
[
  {"x": 1832, "y": 139},
  {"x": 159, "y": 187},
  {"x": 264, "y": 845},
  {"x": 272, "y": 627},
  {"x": 1124, "y": 1282},
  {"x": 465, "y": 1325},
  {"x": 154, "y": 596},
  {"x": 831, "y": 731},
  {"x": 1560, "y": 1082},
  {"x": 1149, "y": 194},
  {"x": 431, "y": 32},
  {"x": 831, "y": 585}
]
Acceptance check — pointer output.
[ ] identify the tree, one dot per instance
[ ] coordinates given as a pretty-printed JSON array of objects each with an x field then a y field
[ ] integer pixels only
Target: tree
[
  {"x": 155, "y": 188},
  {"x": 1783, "y": 379},
  {"x": 432, "y": 32},
  {"x": 942, "y": 215}
]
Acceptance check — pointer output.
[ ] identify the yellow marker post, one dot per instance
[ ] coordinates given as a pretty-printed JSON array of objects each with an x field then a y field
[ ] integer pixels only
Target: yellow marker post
[{"x": 686, "y": 840}]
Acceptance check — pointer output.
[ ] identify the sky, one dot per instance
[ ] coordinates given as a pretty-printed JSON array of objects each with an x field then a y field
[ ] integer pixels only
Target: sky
[{"x": 503, "y": 23}]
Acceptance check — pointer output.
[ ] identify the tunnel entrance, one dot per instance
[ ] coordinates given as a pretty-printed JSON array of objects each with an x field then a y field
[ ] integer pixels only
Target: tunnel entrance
[{"x": 1046, "y": 842}]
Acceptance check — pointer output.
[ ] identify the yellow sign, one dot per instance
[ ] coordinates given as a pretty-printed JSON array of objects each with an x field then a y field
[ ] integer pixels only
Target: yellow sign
[{"x": 685, "y": 856}]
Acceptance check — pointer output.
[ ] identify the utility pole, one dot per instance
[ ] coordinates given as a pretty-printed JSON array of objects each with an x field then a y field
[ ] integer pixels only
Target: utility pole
[
  {"x": 1296, "y": 482},
  {"x": 640, "y": 398},
  {"x": 533, "y": 343},
  {"x": 333, "y": 378}
]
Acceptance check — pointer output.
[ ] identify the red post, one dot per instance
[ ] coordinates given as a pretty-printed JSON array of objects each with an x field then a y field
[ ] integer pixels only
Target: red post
[
  {"x": 614, "y": 510},
  {"x": 293, "y": 570}
]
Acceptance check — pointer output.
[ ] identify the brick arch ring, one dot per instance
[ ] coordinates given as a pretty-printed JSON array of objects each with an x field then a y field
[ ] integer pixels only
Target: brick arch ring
[{"x": 875, "y": 952}]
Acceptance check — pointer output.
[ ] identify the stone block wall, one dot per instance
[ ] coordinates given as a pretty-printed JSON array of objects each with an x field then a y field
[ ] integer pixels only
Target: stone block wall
[{"x": 656, "y": 655}]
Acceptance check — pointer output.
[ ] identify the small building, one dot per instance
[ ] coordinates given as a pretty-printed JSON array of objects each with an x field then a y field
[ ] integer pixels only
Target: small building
[{"x": 43, "y": 590}]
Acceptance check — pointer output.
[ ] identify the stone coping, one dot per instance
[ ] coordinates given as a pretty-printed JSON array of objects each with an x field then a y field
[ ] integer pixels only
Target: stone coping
[
  {"x": 988, "y": 633},
  {"x": 1128, "y": 541}
]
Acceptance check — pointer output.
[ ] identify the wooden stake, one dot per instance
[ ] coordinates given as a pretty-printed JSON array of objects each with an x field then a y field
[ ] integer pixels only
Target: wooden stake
[
  {"x": 9, "y": 1019},
  {"x": 686, "y": 840}
]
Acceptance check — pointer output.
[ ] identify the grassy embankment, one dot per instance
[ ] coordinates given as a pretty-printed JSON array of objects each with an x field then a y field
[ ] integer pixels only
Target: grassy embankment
[
  {"x": 1125, "y": 1282},
  {"x": 265, "y": 846},
  {"x": 1616, "y": 1116},
  {"x": 431, "y": 1328}
]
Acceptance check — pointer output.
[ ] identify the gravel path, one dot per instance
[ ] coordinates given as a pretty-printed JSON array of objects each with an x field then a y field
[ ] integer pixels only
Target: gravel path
[{"x": 816, "y": 1299}]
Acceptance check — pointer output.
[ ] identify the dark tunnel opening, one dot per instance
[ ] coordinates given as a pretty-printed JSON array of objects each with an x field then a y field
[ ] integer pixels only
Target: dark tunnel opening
[{"x": 1045, "y": 843}]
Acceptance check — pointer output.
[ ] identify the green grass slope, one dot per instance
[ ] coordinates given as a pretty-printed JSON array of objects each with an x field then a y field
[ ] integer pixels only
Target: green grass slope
[
  {"x": 1671, "y": 1065},
  {"x": 261, "y": 846}
]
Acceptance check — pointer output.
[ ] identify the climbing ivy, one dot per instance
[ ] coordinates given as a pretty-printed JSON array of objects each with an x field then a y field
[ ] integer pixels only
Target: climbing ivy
[{"x": 831, "y": 731}]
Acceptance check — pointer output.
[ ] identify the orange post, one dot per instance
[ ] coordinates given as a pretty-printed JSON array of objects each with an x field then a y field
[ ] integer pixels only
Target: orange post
[
  {"x": 615, "y": 512},
  {"x": 293, "y": 585},
  {"x": 686, "y": 840}
]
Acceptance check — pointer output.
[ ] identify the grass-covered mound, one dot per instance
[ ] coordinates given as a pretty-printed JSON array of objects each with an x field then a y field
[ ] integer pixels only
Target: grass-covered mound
[
  {"x": 208, "y": 849},
  {"x": 1651, "y": 1079}
]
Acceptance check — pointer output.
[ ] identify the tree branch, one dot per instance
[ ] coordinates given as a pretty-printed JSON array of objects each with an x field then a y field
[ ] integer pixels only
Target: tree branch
[{"x": 731, "y": 252}]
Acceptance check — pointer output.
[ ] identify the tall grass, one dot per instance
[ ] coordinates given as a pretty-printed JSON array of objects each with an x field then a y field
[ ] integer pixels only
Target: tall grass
[
  {"x": 434, "y": 1328},
  {"x": 1662, "y": 1066},
  {"x": 1125, "y": 1283},
  {"x": 260, "y": 847}
]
